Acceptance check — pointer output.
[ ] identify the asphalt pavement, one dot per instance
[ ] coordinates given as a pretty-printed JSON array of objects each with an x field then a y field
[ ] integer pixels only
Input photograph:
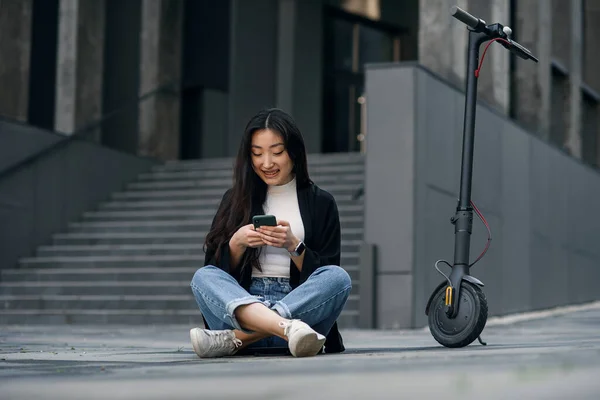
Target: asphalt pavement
[{"x": 553, "y": 355}]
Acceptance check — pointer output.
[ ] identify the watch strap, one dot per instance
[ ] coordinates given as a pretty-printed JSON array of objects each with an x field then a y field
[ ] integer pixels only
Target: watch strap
[{"x": 298, "y": 250}]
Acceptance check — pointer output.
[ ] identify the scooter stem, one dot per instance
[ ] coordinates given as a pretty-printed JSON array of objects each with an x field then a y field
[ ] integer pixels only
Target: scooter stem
[
  {"x": 463, "y": 219},
  {"x": 475, "y": 41}
]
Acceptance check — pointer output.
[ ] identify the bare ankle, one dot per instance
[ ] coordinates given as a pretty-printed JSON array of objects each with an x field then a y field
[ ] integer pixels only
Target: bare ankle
[{"x": 249, "y": 338}]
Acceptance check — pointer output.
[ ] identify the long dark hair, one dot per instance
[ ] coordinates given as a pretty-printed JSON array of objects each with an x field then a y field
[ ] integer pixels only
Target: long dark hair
[{"x": 249, "y": 191}]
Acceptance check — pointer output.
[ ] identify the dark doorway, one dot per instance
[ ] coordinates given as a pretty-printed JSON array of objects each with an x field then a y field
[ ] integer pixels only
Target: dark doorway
[
  {"x": 121, "y": 78},
  {"x": 205, "y": 67},
  {"x": 351, "y": 41},
  {"x": 42, "y": 71}
]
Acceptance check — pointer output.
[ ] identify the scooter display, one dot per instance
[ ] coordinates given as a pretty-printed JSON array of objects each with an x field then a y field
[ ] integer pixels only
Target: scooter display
[{"x": 457, "y": 310}]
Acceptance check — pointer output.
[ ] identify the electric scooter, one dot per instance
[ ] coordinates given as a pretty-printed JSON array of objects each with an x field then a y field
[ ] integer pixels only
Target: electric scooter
[{"x": 457, "y": 309}]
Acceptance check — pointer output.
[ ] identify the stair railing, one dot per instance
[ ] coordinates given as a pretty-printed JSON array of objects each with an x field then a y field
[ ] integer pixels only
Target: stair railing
[{"x": 91, "y": 127}]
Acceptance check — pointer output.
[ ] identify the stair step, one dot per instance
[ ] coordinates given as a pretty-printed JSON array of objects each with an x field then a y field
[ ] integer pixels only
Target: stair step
[
  {"x": 171, "y": 225},
  {"x": 187, "y": 317},
  {"x": 129, "y": 237},
  {"x": 96, "y": 288},
  {"x": 25, "y": 275},
  {"x": 122, "y": 238},
  {"x": 78, "y": 302},
  {"x": 146, "y": 249},
  {"x": 118, "y": 261},
  {"x": 160, "y": 204},
  {"x": 320, "y": 175},
  {"x": 345, "y": 210},
  {"x": 194, "y": 204},
  {"x": 172, "y": 181},
  {"x": 114, "y": 302},
  {"x": 313, "y": 158},
  {"x": 317, "y": 159},
  {"x": 205, "y": 194},
  {"x": 226, "y": 171},
  {"x": 122, "y": 250},
  {"x": 131, "y": 260},
  {"x": 147, "y": 214},
  {"x": 316, "y": 163},
  {"x": 125, "y": 276}
]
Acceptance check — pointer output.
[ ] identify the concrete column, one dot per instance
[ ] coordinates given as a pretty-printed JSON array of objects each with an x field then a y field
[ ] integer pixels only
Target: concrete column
[
  {"x": 561, "y": 50},
  {"x": 561, "y": 25},
  {"x": 252, "y": 62},
  {"x": 573, "y": 141},
  {"x": 66, "y": 71},
  {"x": 544, "y": 77},
  {"x": 15, "y": 47},
  {"x": 485, "y": 84},
  {"x": 591, "y": 57},
  {"x": 591, "y": 54},
  {"x": 79, "y": 71},
  {"x": 160, "y": 68},
  {"x": 500, "y": 62},
  {"x": 532, "y": 81},
  {"x": 285, "y": 54},
  {"x": 442, "y": 39},
  {"x": 443, "y": 46},
  {"x": 460, "y": 40},
  {"x": 90, "y": 62},
  {"x": 392, "y": 141},
  {"x": 308, "y": 72}
]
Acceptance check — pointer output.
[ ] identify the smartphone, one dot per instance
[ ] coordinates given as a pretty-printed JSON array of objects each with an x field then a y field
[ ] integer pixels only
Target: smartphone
[{"x": 264, "y": 220}]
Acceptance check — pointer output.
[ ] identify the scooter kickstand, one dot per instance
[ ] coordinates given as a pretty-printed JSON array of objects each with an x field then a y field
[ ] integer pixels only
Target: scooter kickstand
[{"x": 481, "y": 341}]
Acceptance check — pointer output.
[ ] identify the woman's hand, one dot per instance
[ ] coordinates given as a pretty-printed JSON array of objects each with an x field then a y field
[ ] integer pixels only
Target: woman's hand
[
  {"x": 246, "y": 237},
  {"x": 279, "y": 236}
]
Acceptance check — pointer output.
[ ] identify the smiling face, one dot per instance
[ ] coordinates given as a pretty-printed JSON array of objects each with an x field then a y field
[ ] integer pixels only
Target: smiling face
[{"x": 270, "y": 159}]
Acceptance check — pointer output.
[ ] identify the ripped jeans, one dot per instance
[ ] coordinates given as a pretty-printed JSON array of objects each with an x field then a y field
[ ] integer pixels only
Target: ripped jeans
[{"x": 318, "y": 301}]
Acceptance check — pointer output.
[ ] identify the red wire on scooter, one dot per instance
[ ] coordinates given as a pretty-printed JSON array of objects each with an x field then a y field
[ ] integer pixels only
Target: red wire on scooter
[
  {"x": 484, "y": 50},
  {"x": 487, "y": 245}
]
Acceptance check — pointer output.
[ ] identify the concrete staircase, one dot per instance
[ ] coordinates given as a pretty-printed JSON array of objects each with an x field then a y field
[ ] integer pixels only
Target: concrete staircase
[{"x": 131, "y": 260}]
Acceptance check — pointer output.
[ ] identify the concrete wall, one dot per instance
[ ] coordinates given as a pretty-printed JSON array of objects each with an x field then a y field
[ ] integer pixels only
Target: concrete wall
[
  {"x": 160, "y": 65},
  {"x": 42, "y": 197},
  {"x": 541, "y": 203},
  {"x": 252, "y": 82},
  {"x": 15, "y": 39}
]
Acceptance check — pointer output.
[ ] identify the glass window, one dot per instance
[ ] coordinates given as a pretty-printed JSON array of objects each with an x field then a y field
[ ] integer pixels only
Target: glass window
[
  {"x": 351, "y": 41},
  {"x": 342, "y": 45},
  {"x": 559, "y": 108},
  {"x": 590, "y": 130},
  {"x": 375, "y": 46}
]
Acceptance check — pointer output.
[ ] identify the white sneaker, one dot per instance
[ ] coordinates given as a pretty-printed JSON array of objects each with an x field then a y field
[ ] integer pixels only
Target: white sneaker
[
  {"x": 207, "y": 343},
  {"x": 303, "y": 341}
]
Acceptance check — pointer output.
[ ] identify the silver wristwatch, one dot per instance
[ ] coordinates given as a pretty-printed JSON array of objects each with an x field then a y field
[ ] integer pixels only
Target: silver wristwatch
[{"x": 298, "y": 250}]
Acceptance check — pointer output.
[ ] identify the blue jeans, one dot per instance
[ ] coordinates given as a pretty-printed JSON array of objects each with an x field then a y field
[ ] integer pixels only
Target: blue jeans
[{"x": 318, "y": 301}]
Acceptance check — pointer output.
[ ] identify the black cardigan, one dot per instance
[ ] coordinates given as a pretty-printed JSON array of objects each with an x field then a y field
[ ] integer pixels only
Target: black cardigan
[{"x": 322, "y": 237}]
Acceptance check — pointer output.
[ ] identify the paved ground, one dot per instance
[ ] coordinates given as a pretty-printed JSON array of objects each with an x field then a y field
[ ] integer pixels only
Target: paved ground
[{"x": 553, "y": 357}]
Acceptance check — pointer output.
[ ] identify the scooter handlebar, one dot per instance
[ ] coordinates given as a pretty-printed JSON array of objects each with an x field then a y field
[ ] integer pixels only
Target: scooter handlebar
[
  {"x": 464, "y": 17},
  {"x": 519, "y": 50}
]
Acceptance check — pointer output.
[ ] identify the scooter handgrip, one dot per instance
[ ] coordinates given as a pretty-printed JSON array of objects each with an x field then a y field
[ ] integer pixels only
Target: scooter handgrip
[{"x": 464, "y": 17}]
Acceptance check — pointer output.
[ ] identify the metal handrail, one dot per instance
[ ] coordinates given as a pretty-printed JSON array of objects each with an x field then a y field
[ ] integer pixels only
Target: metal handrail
[{"x": 86, "y": 129}]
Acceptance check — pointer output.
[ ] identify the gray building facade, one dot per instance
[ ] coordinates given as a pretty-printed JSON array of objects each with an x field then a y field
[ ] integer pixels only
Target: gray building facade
[
  {"x": 178, "y": 79},
  {"x": 204, "y": 67},
  {"x": 540, "y": 202}
]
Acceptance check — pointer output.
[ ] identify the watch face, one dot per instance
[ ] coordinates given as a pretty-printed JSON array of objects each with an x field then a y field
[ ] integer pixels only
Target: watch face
[{"x": 300, "y": 249}]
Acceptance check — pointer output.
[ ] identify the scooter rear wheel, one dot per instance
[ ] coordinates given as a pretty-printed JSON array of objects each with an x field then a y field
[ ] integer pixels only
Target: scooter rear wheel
[{"x": 469, "y": 322}]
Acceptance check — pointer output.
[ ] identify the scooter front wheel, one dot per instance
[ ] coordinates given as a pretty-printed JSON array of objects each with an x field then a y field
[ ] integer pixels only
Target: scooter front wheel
[{"x": 468, "y": 323}]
